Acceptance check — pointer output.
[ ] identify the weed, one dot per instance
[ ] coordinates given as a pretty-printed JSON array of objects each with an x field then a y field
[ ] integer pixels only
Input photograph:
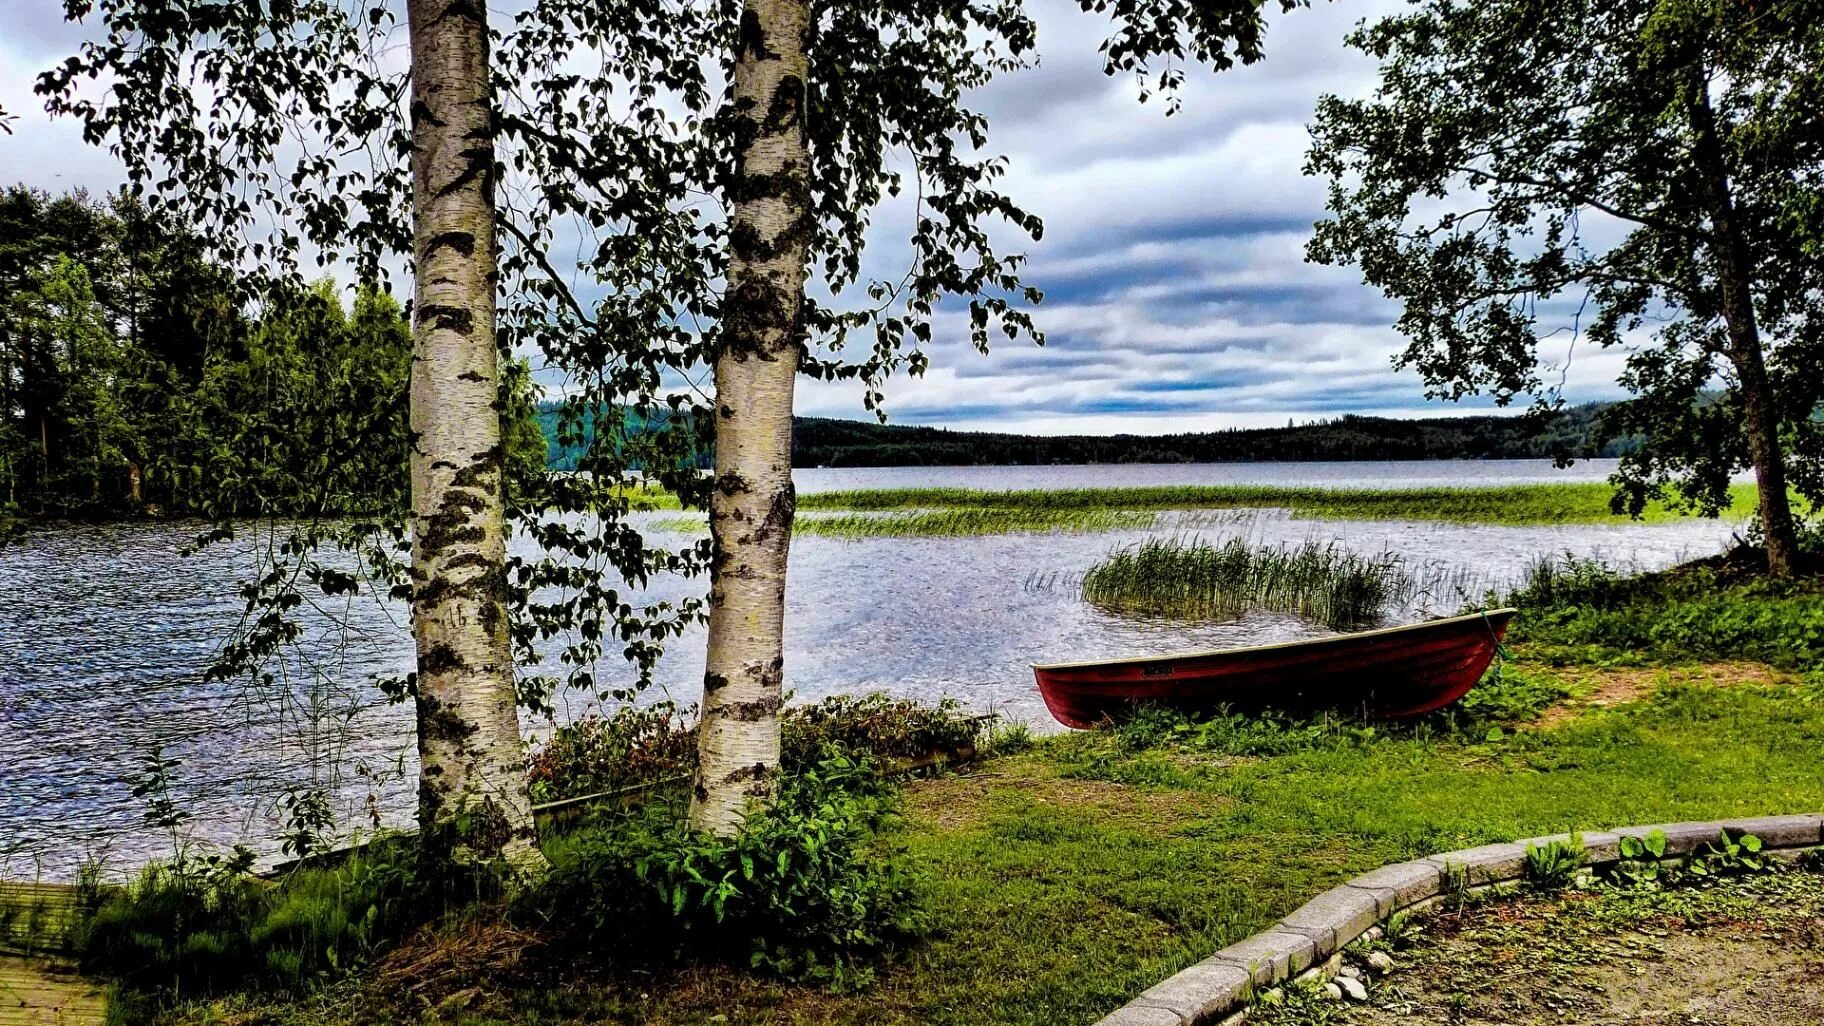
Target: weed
[
  {"x": 1727, "y": 856},
  {"x": 1553, "y": 866}
]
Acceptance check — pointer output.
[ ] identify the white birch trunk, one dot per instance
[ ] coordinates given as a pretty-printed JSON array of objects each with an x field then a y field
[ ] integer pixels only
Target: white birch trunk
[
  {"x": 472, "y": 790},
  {"x": 756, "y": 369}
]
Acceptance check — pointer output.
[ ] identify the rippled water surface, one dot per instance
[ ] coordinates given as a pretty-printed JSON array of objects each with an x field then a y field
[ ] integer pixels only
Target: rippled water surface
[{"x": 104, "y": 632}]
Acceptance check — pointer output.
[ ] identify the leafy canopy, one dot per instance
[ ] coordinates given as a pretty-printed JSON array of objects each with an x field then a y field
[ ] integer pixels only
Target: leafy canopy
[
  {"x": 1524, "y": 181},
  {"x": 281, "y": 127}
]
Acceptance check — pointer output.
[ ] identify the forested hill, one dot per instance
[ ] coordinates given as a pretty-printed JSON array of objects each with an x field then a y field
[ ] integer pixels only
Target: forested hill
[{"x": 822, "y": 442}]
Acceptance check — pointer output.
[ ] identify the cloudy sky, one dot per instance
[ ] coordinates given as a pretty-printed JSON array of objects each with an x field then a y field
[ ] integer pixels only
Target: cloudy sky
[{"x": 1177, "y": 293}]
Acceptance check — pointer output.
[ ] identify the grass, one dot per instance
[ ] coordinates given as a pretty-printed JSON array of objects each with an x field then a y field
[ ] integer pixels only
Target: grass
[
  {"x": 1585, "y": 503},
  {"x": 1197, "y": 579},
  {"x": 1072, "y": 872},
  {"x": 1072, "y": 876},
  {"x": 945, "y": 523}
]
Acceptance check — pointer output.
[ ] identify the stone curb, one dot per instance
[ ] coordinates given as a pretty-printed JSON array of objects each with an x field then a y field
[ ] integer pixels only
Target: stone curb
[{"x": 1217, "y": 990}]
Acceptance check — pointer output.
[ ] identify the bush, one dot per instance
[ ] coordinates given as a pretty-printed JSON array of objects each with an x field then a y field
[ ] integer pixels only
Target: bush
[
  {"x": 803, "y": 890},
  {"x": 645, "y": 746},
  {"x": 606, "y": 753},
  {"x": 1711, "y": 609}
]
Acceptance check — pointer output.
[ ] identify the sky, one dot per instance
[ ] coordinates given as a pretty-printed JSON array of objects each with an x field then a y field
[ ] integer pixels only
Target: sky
[{"x": 1177, "y": 295}]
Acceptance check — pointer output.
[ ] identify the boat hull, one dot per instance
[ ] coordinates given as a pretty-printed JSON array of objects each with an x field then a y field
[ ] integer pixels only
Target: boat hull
[{"x": 1393, "y": 673}]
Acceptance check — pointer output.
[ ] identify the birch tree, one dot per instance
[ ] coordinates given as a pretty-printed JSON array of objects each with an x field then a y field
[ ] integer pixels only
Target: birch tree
[
  {"x": 692, "y": 186},
  {"x": 1641, "y": 175},
  {"x": 472, "y": 786}
]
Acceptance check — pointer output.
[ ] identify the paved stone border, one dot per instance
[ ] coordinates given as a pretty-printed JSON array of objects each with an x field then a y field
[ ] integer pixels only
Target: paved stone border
[{"x": 1217, "y": 990}]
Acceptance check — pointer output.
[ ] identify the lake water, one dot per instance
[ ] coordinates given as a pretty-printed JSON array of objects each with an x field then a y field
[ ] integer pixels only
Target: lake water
[{"x": 104, "y": 632}]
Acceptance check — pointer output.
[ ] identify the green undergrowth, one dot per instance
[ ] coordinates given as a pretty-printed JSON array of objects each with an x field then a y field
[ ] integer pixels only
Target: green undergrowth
[
  {"x": 1505, "y": 504},
  {"x": 1578, "y": 611},
  {"x": 1139, "y": 850},
  {"x": 632, "y": 747}
]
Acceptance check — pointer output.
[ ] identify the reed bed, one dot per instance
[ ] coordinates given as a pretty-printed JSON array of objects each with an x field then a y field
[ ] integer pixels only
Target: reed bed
[
  {"x": 1197, "y": 579},
  {"x": 1582, "y": 503},
  {"x": 955, "y": 522}
]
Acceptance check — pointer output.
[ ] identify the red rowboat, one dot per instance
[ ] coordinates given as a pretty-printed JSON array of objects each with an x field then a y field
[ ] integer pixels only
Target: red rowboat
[{"x": 1395, "y": 672}]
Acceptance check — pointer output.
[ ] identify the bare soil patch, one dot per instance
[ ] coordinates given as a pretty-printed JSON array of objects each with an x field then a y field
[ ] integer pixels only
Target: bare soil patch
[
  {"x": 1609, "y": 686},
  {"x": 1739, "y": 952}
]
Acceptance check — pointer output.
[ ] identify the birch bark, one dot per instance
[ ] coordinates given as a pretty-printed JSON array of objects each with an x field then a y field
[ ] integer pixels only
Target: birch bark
[
  {"x": 473, "y": 805},
  {"x": 756, "y": 369}
]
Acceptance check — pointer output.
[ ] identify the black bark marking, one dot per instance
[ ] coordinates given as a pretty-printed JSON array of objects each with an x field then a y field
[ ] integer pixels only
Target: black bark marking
[
  {"x": 462, "y": 242},
  {"x": 779, "y": 514},
  {"x": 471, "y": 376},
  {"x": 731, "y": 483},
  {"x": 713, "y": 682},
  {"x": 753, "y": 37},
  {"x": 752, "y": 712},
  {"x": 422, "y": 114},
  {"x": 468, "y": 10},
  {"x": 440, "y": 659},
  {"x": 437, "y": 722},
  {"x": 477, "y": 168},
  {"x": 453, "y": 318},
  {"x": 758, "y": 771}
]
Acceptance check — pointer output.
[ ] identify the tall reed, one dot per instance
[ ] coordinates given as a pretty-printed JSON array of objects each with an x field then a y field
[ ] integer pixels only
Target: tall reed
[{"x": 1173, "y": 577}]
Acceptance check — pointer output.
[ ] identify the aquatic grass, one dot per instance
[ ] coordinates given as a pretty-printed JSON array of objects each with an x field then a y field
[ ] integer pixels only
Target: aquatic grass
[
  {"x": 1197, "y": 579},
  {"x": 1579, "y": 503},
  {"x": 944, "y": 523}
]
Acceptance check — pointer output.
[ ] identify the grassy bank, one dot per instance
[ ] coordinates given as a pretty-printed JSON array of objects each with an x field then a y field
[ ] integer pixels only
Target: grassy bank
[
  {"x": 1586, "y": 503},
  {"x": 1065, "y": 874}
]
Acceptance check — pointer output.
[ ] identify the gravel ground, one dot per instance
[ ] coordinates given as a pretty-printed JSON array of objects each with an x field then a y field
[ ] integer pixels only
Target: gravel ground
[{"x": 1743, "y": 950}]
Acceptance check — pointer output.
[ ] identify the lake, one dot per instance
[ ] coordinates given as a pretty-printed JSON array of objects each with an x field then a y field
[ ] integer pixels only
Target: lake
[{"x": 104, "y": 632}]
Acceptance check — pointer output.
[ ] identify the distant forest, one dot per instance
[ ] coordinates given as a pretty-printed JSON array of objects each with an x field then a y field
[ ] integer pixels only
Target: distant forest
[
  {"x": 825, "y": 442},
  {"x": 1577, "y": 432}
]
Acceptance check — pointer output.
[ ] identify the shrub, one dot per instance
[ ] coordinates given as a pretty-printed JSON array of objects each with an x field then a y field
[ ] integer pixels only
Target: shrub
[
  {"x": 645, "y": 746},
  {"x": 803, "y": 890},
  {"x": 606, "y": 753},
  {"x": 876, "y": 726}
]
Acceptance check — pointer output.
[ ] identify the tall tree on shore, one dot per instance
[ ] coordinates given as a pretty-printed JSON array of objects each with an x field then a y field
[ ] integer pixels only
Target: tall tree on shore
[
  {"x": 1648, "y": 169},
  {"x": 813, "y": 86},
  {"x": 204, "y": 105},
  {"x": 471, "y": 776}
]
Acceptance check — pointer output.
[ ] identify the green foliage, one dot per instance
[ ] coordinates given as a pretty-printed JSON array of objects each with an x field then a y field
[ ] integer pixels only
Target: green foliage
[
  {"x": 1727, "y": 856},
  {"x": 1468, "y": 184},
  {"x": 1507, "y": 504},
  {"x": 1553, "y": 866},
  {"x": 821, "y": 442},
  {"x": 201, "y": 924},
  {"x": 1196, "y": 579},
  {"x": 802, "y": 890},
  {"x": 635, "y": 747},
  {"x": 877, "y": 727},
  {"x": 1711, "y": 609},
  {"x": 631, "y": 747},
  {"x": 1642, "y": 859}
]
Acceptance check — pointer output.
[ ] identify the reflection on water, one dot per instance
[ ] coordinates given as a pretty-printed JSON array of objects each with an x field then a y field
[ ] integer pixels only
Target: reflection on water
[{"x": 104, "y": 632}]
